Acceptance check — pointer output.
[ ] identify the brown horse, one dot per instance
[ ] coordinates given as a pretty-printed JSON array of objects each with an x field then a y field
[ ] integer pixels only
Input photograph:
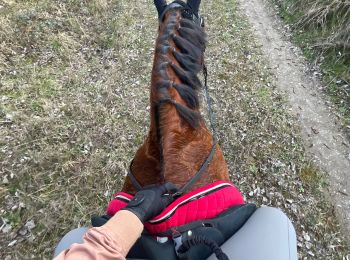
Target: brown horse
[{"x": 178, "y": 143}]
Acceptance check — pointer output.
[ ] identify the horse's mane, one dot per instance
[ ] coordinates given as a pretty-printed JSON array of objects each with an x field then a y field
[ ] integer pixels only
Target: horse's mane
[
  {"x": 190, "y": 41},
  {"x": 178, "y": 141}
]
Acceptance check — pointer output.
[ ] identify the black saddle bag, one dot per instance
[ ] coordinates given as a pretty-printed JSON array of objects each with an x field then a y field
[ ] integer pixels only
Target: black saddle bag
[{"x": 217, "y": 230}]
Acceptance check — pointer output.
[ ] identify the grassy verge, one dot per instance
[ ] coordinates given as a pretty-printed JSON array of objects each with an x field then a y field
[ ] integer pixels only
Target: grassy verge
[
  {"x": 321, "y": 28},
  {"x": 66, "y": 114}
]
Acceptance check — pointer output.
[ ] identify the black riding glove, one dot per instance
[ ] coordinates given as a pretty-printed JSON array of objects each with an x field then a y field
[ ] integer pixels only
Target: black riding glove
[{"x": 151, "y": 201}]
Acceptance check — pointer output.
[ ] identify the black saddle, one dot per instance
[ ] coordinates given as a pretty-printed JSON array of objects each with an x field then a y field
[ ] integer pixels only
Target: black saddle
[{"x": 193, "y": 241}]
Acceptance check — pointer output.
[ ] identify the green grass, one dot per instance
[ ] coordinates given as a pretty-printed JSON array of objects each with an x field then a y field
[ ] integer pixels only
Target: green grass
[{"x": 311, "y": 177}]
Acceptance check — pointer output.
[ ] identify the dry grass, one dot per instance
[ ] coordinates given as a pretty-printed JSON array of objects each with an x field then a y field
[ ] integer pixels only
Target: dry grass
[
  {"x": 74, "y": 109},
  {"x": 322, "y": 28},
  {"x": 330, "y": 19},
  {"x": 334, "y": 19}
]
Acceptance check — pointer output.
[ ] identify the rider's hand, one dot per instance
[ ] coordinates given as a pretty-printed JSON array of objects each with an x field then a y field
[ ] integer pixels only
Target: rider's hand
[{"x": 151, "y": 201}]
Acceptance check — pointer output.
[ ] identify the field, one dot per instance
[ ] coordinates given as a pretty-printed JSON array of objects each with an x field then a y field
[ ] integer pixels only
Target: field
[{"x": 74, "y": 109}]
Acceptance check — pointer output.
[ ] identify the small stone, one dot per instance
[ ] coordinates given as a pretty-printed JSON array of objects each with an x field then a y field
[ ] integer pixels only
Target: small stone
[
  {"x": 23, "y": 231},
  {"x": 251, "y": 194},
  {"x": 30, "y": 225},
  {"x": 306, "y": 237},
  {"x": 308, "y": 245},
  {"x": 294, "y": 208},
  {"x": 12, "y": 243},
  {"x": 7, "y": 228},
  {"x": 5, "y": 180}
]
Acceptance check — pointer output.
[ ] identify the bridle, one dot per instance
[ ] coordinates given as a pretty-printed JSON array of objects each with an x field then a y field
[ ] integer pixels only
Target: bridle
[
  {"x": 186, "y": 10},
  {"x": 196, "y": 18}
]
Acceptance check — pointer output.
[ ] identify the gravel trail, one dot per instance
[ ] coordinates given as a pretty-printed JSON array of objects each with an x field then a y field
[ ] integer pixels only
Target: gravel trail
[{"x": 324, "y": 142}]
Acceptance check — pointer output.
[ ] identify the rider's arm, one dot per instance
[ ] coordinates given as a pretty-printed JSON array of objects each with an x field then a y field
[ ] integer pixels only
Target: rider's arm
[
  {"x": 111, "y": 241},
  {"x": 114, "y": 239}
]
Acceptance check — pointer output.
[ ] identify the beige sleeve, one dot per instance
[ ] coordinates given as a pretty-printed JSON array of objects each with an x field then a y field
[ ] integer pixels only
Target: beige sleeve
[{"x": 99, "y": 243}]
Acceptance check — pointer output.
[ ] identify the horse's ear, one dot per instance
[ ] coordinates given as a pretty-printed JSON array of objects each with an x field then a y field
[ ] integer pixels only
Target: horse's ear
[
  {"x": 161, "y": 5},
  {"x": 194, "y": 5}
]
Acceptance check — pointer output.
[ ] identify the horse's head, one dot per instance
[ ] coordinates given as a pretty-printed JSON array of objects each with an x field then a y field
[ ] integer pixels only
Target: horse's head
[{"x": 190, "y": 9}]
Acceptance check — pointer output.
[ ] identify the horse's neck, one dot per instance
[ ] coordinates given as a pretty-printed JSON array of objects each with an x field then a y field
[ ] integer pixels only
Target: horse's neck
[{"x": 178, "y": 141}]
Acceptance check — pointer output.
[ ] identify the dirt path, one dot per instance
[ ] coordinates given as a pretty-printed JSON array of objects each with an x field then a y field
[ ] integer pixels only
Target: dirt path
[{"x": 325, "y": 143}]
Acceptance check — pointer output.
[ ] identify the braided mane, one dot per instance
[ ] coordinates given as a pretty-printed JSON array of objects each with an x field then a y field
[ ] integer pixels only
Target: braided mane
[
  {"x": 180, "y": 50},
  {"x": 178, "y": 142}
]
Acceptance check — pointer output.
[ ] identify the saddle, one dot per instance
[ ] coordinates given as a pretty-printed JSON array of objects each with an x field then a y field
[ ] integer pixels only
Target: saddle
[{"x": 191, "y": 227}]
